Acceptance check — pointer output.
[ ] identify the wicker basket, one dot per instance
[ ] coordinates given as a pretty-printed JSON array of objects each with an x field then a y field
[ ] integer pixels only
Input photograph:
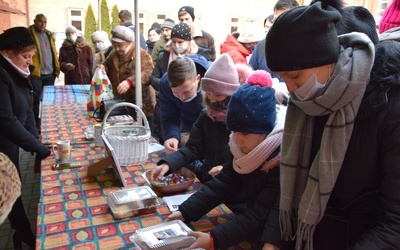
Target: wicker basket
[{"x": 130, "y": 142}]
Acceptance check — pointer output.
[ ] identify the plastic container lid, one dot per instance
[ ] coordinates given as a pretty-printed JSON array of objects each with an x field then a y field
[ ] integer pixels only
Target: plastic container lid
[
  {"x": 126, "y": 202},
  {"x": 163, "y": 236}
]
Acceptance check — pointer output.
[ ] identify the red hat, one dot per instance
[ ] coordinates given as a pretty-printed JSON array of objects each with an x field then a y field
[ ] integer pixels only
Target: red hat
[{"x": 391, "y": 17}]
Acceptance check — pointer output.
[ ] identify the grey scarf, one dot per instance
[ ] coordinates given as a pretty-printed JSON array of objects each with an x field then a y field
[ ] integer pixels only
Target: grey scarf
[{"x": 306, "y": 186}]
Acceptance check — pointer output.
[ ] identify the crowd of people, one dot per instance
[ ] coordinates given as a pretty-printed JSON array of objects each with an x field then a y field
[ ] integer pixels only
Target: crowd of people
[{"x": 295, "y": 126}]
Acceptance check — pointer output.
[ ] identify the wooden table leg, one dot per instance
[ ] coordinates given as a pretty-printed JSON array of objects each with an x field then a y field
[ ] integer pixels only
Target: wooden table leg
[{"x": 38, "y": 163}]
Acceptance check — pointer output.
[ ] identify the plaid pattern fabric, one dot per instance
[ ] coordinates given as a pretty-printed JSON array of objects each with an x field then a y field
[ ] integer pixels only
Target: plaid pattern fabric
[
  {"x": 206, "y": 41},
  {"x": 65, "y": 94}
]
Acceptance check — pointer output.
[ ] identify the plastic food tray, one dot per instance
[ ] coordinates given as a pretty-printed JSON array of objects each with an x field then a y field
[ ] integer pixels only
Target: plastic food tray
[
  {"x": 164, "y": 236},
  {"x": 126, "y": 203}
]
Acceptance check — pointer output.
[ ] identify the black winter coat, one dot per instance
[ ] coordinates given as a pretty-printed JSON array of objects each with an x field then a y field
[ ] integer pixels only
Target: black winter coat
[
  {"x": 208, "y": 142},
  {"x": 260, "y": 221},
  {"x": 364, "y": 208},
  {"x": 17, "y": 122}
]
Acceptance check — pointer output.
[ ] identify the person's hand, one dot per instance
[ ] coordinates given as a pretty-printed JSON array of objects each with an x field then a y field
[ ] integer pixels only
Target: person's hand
[
  {"x": 123, "y": 87},
  {"x": 159, "y": 172},
  {"x": 202, "y": 240},
  {"x": 171, "y": 145},
  {"x": 101, "y": 67},
  {"x": 175, "y": 216},
  {"x": 215, "y": 170},
  {"x": 269, "y": 246},
  {"x": 69, "y": 66}
]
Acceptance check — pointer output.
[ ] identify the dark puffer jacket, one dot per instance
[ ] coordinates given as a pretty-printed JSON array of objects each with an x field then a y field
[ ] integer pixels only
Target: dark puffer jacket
[
  {"x": 259, "y": 222},
  {"x": 81, "y": 56},
  {"x": 364, "y": 208}
]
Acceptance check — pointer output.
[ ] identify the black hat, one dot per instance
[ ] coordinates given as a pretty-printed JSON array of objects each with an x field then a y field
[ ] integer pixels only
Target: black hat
[
  {"x": 358, "y": 19},
  {"x": 16, "y": 38},
  {"x": 187, "y": 9},
  {"x": 303, "y": 37},
  {"x": 182, "y": 31}
]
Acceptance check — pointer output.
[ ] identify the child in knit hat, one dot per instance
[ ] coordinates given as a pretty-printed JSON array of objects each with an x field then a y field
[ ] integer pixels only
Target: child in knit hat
[
  {"x": 257, "y": 127},
  {"x": 208, "y": 141}
]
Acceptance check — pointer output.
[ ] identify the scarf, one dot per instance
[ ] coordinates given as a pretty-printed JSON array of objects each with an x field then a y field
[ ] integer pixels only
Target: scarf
[
  {"x": 247, "y": 163},
  {"x": 306, "y": 186},
  {"x": 24, "y": 73}
]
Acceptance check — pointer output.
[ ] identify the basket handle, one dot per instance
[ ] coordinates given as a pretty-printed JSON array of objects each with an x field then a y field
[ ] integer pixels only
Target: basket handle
[{"x": 140, "y": 116}]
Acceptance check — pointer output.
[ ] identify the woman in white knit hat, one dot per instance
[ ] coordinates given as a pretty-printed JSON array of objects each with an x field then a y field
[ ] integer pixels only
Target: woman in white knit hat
[{"x": 102, "y": 47}]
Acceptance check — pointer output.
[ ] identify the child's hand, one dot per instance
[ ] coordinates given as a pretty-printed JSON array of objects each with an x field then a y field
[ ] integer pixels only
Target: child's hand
[
  {"x": 159, "y": 172},
  {"x": 215, "y": 170},
  {"x": 171, "y": 145},
  {"x": 202, "y": 241},
  {"x": 175, "y": 216}
]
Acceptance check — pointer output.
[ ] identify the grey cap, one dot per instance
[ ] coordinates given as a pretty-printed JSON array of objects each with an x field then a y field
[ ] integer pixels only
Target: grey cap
[
  {"x": 168, "y": 23},
  {"x": 122, "y": 34}
]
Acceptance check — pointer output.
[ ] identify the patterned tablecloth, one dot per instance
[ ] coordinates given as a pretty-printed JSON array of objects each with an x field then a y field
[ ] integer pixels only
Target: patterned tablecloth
[
  {"x": 65, "y": 93},
  {"x": 73, "y": 212}
]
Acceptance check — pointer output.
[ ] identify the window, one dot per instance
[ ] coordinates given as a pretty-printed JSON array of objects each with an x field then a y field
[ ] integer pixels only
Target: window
[
  {"x": 141, "y": 22},
  {"x": 75, "y": 18},
  {"x": 160, "y": 18},
  {"x": 384, "y": 4},
  {"x": 234, "y": 24}
]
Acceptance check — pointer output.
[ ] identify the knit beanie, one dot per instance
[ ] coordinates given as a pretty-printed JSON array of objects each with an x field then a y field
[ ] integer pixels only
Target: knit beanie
[
  {"x": 303, "y": 37},
  {"x": 182, "y": 31},
  {"x": 71, "y": 28},
  {"x": 155, "y": 26},
  {"x": 222, "y": 77},
  {"x": 252, "y": 106},
  {"x": 16, "y": 38},
  {"x": 101, "y": 36},
  {"x": 251, "y": 33},
  {"x": 358, "y": 19},
  {"x": 168, "y": 23},
  {"x": 391, "y": 17},
  {"x": 187, "y": 9}
]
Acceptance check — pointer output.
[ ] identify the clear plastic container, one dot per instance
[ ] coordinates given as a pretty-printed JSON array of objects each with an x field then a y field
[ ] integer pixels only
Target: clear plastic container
[
  {"x": 126, "y": 203},
  {"x": 164, "y": 236}
]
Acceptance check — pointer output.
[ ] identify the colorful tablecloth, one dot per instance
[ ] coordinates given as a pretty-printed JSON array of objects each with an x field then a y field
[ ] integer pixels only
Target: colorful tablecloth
[
  {"x": 65, "y": 93},
  {"x": 73, "y": 212}
]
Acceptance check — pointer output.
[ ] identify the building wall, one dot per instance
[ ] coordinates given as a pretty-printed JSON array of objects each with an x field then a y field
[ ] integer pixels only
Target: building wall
[
  {"x": 15, "y": 18},
  {"x": 215, "y": 20}
]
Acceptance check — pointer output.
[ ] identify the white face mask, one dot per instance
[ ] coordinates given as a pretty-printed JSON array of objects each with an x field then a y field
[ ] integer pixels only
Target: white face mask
[
  {"x": 99, "y": 46},
  {"x": 191, "y": 98},
  {"x": 180, "y": 50},
  {"x": 309, "y": 89},
  {"x": 72, "y": 38}
]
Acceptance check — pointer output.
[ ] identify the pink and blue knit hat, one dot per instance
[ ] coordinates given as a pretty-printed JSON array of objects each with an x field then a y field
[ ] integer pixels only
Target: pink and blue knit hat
[{"x": 252, "y": 106}]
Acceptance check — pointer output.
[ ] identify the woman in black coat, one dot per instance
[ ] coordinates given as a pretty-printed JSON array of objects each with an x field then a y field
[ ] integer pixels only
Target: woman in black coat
[{"x": 17, "y": 123}]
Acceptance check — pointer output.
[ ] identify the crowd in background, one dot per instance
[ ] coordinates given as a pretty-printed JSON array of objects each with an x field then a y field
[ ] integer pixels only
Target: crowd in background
[{"x": 295, "y": 126}]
